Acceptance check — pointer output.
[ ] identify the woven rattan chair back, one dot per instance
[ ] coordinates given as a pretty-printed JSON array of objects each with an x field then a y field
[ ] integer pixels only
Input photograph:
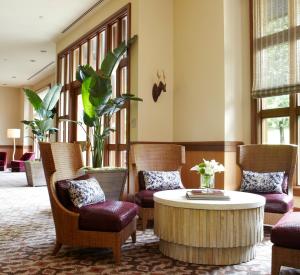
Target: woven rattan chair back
[
  {"x": 268, "y": 158},
  {"x": 157, "y": 157},
  {"x": 65, "y": 159}
]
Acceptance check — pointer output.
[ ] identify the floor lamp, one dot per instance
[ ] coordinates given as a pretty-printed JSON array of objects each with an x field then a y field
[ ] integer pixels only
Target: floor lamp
[{"x": 14, "y": 133}]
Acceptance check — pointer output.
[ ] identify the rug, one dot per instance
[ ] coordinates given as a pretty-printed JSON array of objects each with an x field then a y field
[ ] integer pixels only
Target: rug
[{"x": 27, "y": 238}]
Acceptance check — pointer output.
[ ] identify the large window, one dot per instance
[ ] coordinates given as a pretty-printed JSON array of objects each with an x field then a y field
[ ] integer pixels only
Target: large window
[
  {"x": 91, "y": 50},
  {"x": 276, "y": 71}
]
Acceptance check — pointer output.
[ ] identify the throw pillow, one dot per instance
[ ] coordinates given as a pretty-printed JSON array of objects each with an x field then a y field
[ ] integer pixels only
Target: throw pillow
[
  {"x": 85, "y": 192},
  {"x": 161, "y": 180},
  {"x": 62, "y": 191},
  {"x": 262, "y": 182}
]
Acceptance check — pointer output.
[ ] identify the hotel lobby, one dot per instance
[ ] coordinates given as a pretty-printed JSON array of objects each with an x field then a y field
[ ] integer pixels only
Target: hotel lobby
[{"x": 150, "y": 137}]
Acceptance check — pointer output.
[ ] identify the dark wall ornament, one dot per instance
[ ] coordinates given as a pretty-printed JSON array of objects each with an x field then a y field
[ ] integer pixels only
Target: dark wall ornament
[{"x": 160, "y": 86}]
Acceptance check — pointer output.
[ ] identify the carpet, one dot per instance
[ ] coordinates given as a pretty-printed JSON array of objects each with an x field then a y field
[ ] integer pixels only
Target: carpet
[{"x": 27, "y": 238}]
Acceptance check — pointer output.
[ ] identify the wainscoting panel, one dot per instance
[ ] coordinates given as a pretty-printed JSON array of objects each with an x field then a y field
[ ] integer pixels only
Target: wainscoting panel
[{"x": 221, "y": 151}]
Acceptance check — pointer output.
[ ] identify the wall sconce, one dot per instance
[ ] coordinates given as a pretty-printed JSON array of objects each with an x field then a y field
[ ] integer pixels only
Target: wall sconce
[
  {"x": 159, "y": 86},
  {"x": 14, "y": 133}
]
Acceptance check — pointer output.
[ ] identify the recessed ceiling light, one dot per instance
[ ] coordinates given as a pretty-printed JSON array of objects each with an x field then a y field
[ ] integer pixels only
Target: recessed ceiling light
[
  {"x": 41, "y": 17},
  {"x": 32, "y": 60},
  {"x": 13, "y": 77},
  {"x": 43, "y": 51}
]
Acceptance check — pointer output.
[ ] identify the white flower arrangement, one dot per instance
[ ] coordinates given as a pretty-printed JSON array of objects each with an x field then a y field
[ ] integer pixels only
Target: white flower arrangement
[{"x": 208, "y": 167}]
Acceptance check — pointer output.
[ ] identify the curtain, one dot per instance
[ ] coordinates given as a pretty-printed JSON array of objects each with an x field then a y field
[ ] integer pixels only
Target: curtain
[{"x": 276, "y": 47}]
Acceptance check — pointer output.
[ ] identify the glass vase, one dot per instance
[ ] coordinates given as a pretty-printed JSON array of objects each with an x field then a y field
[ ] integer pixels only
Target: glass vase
[{"x": 207, "y": 181}]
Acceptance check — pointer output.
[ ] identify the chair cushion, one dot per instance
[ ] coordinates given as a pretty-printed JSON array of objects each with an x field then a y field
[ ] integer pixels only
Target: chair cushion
[
  {"x": 85, "y": 192},
  {"x": 63, "y": 195},
  {"x": 17, "y": 163},
  {"x": 108, "y": 216},
  {"x": 286, "y": 232},
  {"x": 162, "y": 180},
  {"x": 262, "y": 182},
  {"x": 278, "y": 203},
  {"x": 27, "y": 156},
  {"x": 17, "y": 166},
  {"x": 144, "y": 198},
  {"x": 2, "y": 162}
]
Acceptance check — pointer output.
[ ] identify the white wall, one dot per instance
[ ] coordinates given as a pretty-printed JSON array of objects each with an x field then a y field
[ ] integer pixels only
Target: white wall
[
  {"x": 10, "y": 112},
  {"x": 155, "y": 120},
  {"x": 237, "y": 70},
  {"x": 199, "y": 70}
]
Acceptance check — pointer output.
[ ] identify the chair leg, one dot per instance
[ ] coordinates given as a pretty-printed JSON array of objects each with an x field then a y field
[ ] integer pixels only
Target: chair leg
[
  {"x": 56, "y": 248},
  {"x": 133, "y": 237},
  {"x": 275, "y": 268},
  {"x": 276, "y": 265},
  {"x": 117, "y": 252},
  {"x": 144, "y": 222}
]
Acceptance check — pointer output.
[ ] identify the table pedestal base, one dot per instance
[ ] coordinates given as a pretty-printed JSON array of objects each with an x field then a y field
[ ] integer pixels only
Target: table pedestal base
[{"x": 207, "y": 256}]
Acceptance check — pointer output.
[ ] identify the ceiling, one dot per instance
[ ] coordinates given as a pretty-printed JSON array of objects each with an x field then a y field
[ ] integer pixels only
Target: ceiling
[{"x": 27, "y": 37}]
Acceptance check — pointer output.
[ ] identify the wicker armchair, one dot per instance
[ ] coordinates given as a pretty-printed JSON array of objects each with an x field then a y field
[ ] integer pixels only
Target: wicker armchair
[
  {"x": 271, "y": 158},
  {"x": 64, "y": 161},
  {"x": 152, "y": 157}
]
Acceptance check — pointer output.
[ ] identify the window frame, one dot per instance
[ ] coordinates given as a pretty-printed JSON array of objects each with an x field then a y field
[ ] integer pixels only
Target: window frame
[
  {"x": 73, "y": 86},
  {"x": 258, "y": 113}
]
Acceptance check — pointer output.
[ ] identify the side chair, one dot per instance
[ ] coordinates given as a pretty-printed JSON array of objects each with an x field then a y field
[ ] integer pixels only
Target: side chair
[
  {"x": 271, "y": 158},
  {"x": 152, "y": 157},
  {"x": 104, "y": 224}
]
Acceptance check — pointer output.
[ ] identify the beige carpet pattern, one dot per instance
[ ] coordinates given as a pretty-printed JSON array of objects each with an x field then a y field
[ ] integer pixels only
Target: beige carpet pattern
[{"x": 27, "y": 237}]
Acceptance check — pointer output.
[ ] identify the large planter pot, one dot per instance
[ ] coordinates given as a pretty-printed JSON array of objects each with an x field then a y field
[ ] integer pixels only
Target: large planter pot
[
  {"x": 35, "y": 173},
  {"x": 112, "y": 181}
]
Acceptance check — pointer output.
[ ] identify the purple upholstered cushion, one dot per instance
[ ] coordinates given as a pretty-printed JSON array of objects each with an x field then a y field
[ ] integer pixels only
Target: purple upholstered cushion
[
  {"x": 17, "y": 166},
  {"x": 286, "y": 232},
  {"x": 278, "y": 203},
  {"x": 144, "y": 198},
  {"x": 63, "y": 195},
  {"x": 108, "y": 216},
  {"x": 27, "y": 156},
  {"x": 3, "y": 158}
]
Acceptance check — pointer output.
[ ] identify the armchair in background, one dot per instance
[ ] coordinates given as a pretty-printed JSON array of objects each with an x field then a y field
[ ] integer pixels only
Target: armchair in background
[
  {"x": 19, "y": 165},
  {"x": 3, "y": 161}
]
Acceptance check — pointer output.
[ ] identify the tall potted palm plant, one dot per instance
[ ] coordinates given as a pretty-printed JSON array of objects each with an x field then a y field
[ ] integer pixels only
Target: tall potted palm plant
[
  {"x": 41, "y": 127},
  {"x": 99, "y": 106}
]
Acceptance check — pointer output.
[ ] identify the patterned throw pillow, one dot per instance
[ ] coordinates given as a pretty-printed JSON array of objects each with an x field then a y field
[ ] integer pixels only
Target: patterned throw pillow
[
  {"x": 262, "y": 182},
  {"x": 161, "y": 180},
  {"x": 85, "y": 192}
]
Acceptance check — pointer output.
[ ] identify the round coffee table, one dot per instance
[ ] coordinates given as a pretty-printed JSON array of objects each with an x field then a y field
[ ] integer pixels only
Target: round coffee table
[{"x": 209, "y": 231}]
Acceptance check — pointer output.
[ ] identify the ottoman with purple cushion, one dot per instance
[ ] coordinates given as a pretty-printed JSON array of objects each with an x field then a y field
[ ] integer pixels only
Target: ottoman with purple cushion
[
  {"x": 285, "y": 236},
  {"x": 19, "y": 165},
  {"x": 286, "y": 232}
]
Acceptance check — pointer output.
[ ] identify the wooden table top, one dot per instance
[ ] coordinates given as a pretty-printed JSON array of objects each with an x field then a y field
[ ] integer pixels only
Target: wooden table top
[{"x": 238, "y": 200}]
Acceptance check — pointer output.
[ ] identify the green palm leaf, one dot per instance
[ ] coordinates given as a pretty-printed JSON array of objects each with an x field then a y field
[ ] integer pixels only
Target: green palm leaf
[
  {"x": 34, "y": 99},
  {"x": 112, "y": 58},
  {"x": 52, "y": 97}
]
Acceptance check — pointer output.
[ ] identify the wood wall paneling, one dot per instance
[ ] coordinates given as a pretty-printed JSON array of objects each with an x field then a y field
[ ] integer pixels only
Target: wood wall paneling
[{"x": 221, "y": 151}]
